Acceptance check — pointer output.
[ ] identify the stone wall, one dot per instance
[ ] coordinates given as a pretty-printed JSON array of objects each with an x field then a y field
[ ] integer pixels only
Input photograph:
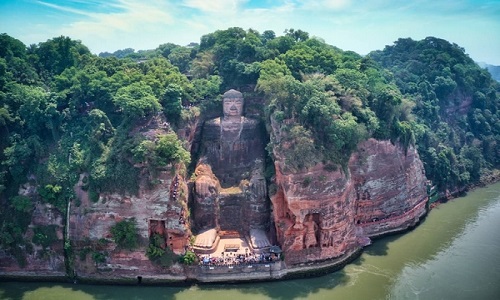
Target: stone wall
[{"x": 226, "y": 273}]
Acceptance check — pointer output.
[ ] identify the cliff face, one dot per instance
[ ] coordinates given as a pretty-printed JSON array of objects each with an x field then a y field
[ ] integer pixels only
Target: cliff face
[
  {"x": 45, "y": 258},
  {"x": 321, "y": 214},
  {"x": 390, "y": 187},
  {"x": 161, "y": 210},
  {"x": 314, "y": 214}
]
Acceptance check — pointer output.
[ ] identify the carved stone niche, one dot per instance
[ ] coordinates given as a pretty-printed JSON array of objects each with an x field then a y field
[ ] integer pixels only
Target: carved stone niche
[
  {"x": 157, "y": 227},
  {"x": 312, "y": 230}
]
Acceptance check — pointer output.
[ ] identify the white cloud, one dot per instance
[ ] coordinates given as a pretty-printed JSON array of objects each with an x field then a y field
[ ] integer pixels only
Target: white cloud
[
  {"x": 133, "y": 21},
  {"x": 64, "y": 8},
  {"x": 215, "y": 6},
  {"x": 322, "y": 5},
  {"x": 222, "y": 14},
  {"x": 362, "y": 26}
]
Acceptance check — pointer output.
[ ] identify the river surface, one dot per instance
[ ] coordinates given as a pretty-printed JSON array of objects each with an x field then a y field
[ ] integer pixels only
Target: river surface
[{"x": 453, "y": 254}]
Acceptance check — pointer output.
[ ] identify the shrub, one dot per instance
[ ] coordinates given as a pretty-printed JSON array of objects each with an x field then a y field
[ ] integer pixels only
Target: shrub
[
  {"x": 99, "y": 257},
  {"x": 22, "y": 203},
  {"x": 307, "y": 181},
  {"x": 158, "y": 253},
  {"x": 125, "y": 233},
  {"x": 44, "y": 235},
  {"x": 189, "y": 258}
]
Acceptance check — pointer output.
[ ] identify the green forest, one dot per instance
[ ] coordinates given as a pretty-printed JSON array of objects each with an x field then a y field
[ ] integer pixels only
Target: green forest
[{"x": 65, "y": 111}]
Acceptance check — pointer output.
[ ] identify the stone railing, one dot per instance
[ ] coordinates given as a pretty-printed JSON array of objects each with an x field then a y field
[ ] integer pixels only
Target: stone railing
[{"x": 237, "y": 272}]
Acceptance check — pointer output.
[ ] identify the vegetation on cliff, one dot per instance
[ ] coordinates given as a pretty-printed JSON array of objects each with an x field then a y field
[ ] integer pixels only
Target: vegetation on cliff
[
  {"x": 65, "y": 112},
  {"x": 456, "y": 108},
  {"x": 125, "y": 233}
]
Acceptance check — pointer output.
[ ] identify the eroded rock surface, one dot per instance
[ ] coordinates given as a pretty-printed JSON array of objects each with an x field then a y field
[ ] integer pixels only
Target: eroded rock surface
[
  {"x": 322, "y": 214},
  {"x": 390, "y": 186},
  {"x": 158, "y": 210}
]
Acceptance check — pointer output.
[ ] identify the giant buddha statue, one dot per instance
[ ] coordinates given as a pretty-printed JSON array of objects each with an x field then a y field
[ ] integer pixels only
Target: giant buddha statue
[
  {"x": 230, "y": 191},
  {"x": 232, "y": 143}
]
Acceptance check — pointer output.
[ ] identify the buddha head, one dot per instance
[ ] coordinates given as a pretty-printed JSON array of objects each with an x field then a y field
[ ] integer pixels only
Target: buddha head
[{"x": 232, "y": 102}]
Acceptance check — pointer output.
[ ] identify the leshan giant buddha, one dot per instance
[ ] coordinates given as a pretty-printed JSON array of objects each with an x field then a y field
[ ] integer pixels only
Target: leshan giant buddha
[{"x": 230, "y": 189}]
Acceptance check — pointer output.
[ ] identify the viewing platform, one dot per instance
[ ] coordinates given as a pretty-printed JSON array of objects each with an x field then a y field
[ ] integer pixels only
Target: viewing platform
[{"x": 231, "y": 248}]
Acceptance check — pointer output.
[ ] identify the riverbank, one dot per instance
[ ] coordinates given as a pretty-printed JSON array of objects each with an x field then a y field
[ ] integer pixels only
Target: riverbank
[
  {"x": 244, "y": 273},
  {"x": 203, "y": 275},
  {"x": 485, "y": 180},
  {"x": 199, "y": 274}
]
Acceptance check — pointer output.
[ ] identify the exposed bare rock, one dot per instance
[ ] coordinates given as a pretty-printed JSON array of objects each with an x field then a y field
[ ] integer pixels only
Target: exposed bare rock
[
  {"x": 321, "y": 214},
  {"x": 314, "y": 214},
  {"x": 189, "y": 129},
  {"x": 390, "y": 186},
  {"x": 162, "y": 210}
]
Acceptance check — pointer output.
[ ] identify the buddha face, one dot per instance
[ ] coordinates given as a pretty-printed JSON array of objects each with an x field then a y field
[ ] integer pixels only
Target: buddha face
[{"x": 233, "y": 107}]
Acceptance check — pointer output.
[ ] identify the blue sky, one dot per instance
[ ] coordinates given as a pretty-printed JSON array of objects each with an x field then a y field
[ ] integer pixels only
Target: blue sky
[{"x": 360, "y": 26}]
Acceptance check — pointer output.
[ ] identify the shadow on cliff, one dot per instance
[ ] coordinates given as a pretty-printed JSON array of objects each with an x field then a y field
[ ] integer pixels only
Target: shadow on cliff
[{"x": 286, "y": 289}]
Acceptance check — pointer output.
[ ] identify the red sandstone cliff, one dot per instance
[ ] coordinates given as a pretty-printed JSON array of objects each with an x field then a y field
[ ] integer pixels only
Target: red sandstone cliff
[
  {"x": 390, "y": 187},
  {"x": 159, "y": 210},
  {"x": 321, "y": 214}
]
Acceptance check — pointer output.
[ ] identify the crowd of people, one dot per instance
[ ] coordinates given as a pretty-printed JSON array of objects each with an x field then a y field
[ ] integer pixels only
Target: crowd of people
[{"x": 233, "y": 258}]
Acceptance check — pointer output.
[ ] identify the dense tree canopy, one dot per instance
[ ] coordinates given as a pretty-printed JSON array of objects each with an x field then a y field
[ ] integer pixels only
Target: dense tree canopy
[{"x": 455, "y": 108}]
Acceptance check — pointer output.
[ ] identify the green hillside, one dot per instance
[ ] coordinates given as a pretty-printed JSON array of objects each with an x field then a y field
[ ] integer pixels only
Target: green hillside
[{"x": 456, "y": 108}]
